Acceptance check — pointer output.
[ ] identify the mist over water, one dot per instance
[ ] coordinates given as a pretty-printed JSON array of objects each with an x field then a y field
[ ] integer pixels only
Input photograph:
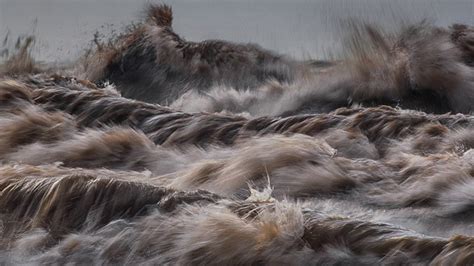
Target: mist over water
[{"x": 303, "y": 29}]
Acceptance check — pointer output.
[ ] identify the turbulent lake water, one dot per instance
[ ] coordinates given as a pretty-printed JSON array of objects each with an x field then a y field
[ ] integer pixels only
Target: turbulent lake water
[
  {"x": 302, "y": 28},
  {"x": 155, "y": 144}
]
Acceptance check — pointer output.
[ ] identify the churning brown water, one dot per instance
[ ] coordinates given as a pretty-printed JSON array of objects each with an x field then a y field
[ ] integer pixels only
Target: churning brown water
[{"x": 156, "y": 145}]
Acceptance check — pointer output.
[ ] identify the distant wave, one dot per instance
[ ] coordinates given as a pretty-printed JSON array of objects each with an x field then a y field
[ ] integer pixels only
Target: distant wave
[{"x": 422, "y": 67}]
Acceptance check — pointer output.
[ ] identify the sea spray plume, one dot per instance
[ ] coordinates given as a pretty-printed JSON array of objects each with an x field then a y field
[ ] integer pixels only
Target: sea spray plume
[
  {"x": 160, "y": 15},
  {"x": 153, "y": 63},
  {"x": 420, "y": 67},
  {"x": 100, "y": 51},
  {"x": 442, "y": 67},
  {"x": 462, "y": 36},
  {"x": 20, "y": 60}
]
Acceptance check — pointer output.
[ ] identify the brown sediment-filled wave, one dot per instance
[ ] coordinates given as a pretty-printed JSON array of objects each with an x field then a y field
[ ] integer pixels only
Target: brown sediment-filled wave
[
  {"x": 325, "y": 188},
  {"x": 420, "y": 67},
  {"x": 305, "y": 167},
  {"x": 153, "y": 63}
]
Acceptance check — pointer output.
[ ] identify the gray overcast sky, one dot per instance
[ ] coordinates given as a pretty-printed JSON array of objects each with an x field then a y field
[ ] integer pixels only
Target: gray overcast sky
[{"x": 301, "y": 28}]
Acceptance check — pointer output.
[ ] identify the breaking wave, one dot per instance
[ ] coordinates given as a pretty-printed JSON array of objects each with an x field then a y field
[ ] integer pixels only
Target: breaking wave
[
  {"x": 152, "y": 149},
  {"x": 419, "y": 67}
]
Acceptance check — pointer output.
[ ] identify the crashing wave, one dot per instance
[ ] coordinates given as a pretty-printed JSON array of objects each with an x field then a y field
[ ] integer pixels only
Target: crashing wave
[
  {"x": 421, "y": 67},
  {"x": 255, "y": 162}
]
